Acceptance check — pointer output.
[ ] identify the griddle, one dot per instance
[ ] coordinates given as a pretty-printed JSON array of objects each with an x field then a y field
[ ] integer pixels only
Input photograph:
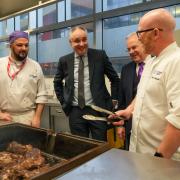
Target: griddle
[{"x": 62, "y": 151}]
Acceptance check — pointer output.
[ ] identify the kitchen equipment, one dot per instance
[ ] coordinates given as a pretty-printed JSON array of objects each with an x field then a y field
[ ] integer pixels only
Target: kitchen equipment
[
  {"x": 102, "y": 110},
  {"x": 99, "y": 109},
  {"x": 64, "y": 151},
  {"x": 97, "y": 118}
]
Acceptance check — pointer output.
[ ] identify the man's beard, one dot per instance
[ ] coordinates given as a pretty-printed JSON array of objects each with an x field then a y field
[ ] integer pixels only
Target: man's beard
[{"x": 21, "y": 56}]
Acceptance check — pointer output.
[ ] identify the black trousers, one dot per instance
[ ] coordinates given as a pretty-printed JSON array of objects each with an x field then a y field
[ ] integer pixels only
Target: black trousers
[{"x": 82, "y": 127}]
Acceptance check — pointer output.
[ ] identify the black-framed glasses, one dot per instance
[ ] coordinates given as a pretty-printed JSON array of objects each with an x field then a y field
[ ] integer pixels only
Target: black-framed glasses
[{"x": 146, "y": 30}]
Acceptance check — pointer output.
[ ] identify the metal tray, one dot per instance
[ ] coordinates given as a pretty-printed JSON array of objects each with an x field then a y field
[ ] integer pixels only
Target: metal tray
[{"x": 66, "y": 151}]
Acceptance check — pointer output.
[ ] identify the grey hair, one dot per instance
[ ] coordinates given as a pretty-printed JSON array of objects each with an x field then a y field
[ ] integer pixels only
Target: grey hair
[
  {"x": 75, "y": 28},
  {"x": 131, "y": 34}
]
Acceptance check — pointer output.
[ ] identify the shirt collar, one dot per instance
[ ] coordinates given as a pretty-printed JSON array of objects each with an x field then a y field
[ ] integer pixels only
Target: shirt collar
[
  {"x": 168, "y": 49},
  {"x": 17, "y": 63},
  {"x": 77, "y": 56}
]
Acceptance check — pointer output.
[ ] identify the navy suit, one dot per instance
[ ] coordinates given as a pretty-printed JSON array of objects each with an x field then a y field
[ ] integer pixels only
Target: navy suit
[
  {"x": 99, "y": 65},
  {"x": 127, "y": 92}
]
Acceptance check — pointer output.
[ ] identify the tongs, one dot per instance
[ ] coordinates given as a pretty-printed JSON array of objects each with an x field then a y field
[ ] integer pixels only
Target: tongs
[{"x": 96, "y": 118}]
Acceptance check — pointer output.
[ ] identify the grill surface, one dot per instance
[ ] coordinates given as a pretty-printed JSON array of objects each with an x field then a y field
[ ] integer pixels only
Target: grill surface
[{"x": 62, "y": 151}]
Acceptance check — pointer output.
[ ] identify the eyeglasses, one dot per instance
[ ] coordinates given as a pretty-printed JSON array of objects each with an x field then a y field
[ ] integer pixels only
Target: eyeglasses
[{"x": 146, "y": 30}]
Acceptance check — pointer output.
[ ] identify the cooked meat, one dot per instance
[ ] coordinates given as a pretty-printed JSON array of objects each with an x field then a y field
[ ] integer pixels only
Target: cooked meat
[
  {"x": 14, "y": 147},
  {"x": 21, "y": 162},
  {"x": 8, "y": 159}
]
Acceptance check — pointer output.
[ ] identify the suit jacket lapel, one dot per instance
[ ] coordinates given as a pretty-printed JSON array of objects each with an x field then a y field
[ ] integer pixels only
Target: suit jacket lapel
[
  {"x": 131, "y": 76},
  {"x": 134, "y": 80},
  {"x": 70, "y": 62}
]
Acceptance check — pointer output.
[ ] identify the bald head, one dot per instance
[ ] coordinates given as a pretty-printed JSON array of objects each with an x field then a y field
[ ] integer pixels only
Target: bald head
[
  {"x": 156, "y": 30},
  {"x": 158, "y": 18}
]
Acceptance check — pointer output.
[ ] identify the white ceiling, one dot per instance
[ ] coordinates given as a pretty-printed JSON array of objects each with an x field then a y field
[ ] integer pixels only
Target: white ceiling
[{"x": 8, "y": 7}]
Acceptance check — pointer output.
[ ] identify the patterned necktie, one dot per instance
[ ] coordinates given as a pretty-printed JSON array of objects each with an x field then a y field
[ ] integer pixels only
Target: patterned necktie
[
  {"x": 140, "y": 70},
  {"x": 81, "y": 99}
]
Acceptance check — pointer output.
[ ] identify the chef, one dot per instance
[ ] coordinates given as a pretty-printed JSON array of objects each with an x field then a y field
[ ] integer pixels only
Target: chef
[{"x": 22, "y": 85}]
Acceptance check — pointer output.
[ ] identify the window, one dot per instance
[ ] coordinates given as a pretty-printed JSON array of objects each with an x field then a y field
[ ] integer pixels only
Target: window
[
  {"x": 10, "y": 25},
  {"x": 22, "y": 22},
  {"x": 112, "y": 4},
  {"x": 2, "y": 28},
  {"x": 116, "y": 22},
  {"x": 61, "y": 11},
  {"x": 114, "y": 38},
  {"x": 78, "y": 8},
  {"x": 47, "y": 15},
  {"x": 32, "y": 19},
  {"x": 4, "y": 50},
  {"x": 98, "y": 5},
  {"x": 134, "y": 18},
  {"x": 32, "y": 47},
  {"x": 52, "y": 45}
]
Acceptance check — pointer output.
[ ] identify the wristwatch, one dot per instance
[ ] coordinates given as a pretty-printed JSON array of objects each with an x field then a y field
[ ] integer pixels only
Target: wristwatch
[{"x": 158, "y": 154}]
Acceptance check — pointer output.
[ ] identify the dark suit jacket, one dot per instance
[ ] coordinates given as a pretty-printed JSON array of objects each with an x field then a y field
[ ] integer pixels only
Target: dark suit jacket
[
  {"x": 99, "y": 65},
  {"x": 128, "y": 88}
]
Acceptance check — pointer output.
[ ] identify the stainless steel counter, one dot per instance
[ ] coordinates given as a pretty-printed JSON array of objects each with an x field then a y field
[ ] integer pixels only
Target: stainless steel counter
[{"x": 117, "y": 164}]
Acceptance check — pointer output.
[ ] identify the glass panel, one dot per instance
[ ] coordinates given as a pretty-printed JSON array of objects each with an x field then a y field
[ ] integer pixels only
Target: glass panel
[
  {"x": 10, "y": 25},
  {"x": 178, "y": 18},
  {"x": 32, "y": 19},
  {"x": 114, "y": 38},
  {"x": 134, "y": 18},
  {"x": 47, "y": 15},
  {"x": 17, "y": 23},
  {"x": 112, "y": 4},
  {"x": 78, "y": 8},
  {"x": 32, "y": 47},
  {"x": 22, "y": 22},
  {"x": 4, "y": 50},
  {"x": 175, "y": 11},
  {"x": 98, "y": 5},
  {"x": 98, "y": 35},
  {"x": 61, "y": 11},
  {"x": 2, "y": 28},
  {"x": 116, "y": 22},
  {"x": 178, "y": 11},
  {"x": 54, "y": 44}
]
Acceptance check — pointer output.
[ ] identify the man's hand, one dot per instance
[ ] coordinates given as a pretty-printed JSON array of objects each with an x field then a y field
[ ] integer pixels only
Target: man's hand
[
  {"x": 115, "y": 116},
  {"x": 126, "y": 114},
  {"x": 121, "y": 132},
  {"x": 5, "y": 116}
]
